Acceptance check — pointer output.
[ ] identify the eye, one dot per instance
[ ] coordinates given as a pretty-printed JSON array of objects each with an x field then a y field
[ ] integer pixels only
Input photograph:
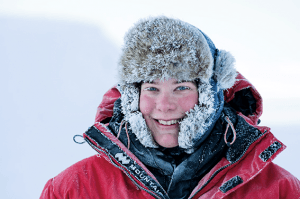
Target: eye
[
  {"x": 182, "y": 88},
  {"x": 150, "y": 89}
]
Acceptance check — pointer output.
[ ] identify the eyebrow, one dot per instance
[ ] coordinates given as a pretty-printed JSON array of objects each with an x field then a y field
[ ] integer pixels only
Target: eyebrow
[{"x": 176, "y": 82}]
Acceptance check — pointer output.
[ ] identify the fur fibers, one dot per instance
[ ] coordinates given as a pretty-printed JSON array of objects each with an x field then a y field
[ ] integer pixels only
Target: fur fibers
[
  {"x": 224, "y": 72},
  {"x": 130, "y": 96},
  {"x": 192, "y": 127},
  {"x": 163, "y": 48}
]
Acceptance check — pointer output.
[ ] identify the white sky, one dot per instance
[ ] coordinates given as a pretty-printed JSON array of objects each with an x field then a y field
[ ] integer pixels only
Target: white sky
[{"x": 262, "y": 35}]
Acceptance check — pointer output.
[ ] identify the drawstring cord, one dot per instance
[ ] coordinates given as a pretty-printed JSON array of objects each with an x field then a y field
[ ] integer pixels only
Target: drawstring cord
[
  {"x": 120, "y": 129},
  {"x": 233, "y": 130},
  {"x": 82, "y": 142},
  {"x": 74, "y": 139},
  {"x": 126, "y": 133}
]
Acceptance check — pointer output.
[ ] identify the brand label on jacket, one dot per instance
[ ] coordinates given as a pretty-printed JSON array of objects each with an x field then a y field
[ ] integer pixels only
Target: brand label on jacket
[{"x": 126, "y": 161}]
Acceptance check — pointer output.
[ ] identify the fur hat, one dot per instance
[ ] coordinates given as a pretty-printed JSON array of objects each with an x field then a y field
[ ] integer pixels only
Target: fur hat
[{"x": 163, "y": 48}]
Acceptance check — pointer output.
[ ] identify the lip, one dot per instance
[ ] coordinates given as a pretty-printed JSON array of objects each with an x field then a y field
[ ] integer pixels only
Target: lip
[
  {"x": 168, "y": 119},
  {"x": 176, "y": 125}
]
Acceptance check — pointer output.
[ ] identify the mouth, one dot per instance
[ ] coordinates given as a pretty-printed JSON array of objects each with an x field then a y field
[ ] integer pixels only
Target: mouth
[{"x": 169, "y": 122}]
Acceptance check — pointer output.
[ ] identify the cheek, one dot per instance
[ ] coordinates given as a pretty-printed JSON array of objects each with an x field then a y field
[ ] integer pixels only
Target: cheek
[
  {"x": 188, "y": 102},
  {"x": 146, "y": 105}
]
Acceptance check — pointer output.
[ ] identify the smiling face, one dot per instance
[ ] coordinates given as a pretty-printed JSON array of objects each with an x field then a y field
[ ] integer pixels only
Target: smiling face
[{"x": 163, "y": 104}]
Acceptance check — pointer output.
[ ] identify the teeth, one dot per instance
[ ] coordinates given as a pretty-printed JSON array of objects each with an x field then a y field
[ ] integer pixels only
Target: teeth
[{"x": 168, "y": 122}]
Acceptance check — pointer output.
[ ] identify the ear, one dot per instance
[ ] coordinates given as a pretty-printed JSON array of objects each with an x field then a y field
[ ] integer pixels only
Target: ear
[{"x": 224, "y": 72}]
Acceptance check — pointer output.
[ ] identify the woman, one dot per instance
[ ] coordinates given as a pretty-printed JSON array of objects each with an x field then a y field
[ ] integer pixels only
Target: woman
[{"x": 182, "y": 123}]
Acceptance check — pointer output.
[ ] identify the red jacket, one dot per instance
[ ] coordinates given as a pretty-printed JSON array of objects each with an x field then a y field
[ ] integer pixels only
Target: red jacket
[{"x": 116, "y": 173}]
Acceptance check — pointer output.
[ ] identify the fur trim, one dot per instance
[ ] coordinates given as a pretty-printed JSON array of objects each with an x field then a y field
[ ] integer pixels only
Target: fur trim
[
  {"x": 130, "y": 96},
  {"x": 139, "y": 127},
  {"x": 225, "y": 72},
  {"x": 194, "y": 125},
  {"x": 130, "y": 105},
  {"x": 163, "y": 48}
]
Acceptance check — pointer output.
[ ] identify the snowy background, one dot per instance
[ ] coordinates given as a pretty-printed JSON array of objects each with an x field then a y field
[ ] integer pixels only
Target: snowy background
[{"x": 57, "y": 58}]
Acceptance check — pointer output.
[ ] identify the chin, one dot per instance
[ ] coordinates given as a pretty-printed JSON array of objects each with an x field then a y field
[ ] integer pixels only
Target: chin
[
  {"x": 167, "y": 140},
  {"x": 169, "y": 146}
]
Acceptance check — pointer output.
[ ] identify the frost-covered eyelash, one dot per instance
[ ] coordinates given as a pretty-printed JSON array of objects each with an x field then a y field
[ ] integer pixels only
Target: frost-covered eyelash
[
  {"x": 149, "y": 89},
  {"x": 185, "y": 88},
  {"x": 178, "y": 88}
]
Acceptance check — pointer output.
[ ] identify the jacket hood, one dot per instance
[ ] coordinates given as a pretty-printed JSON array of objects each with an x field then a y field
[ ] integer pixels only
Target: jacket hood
[
  {"x": 194, "y": 127},
  {"x": 105, "y": 109},
  {"x": 245, "y": 99}
]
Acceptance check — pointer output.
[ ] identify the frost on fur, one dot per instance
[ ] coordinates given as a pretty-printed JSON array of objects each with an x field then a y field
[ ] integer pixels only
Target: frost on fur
[
  {"x": 225, "y": 72},
  {"x": 139, "y": 127},
  {"x": 130, "y": 107},
  {"x": 163, "y": 48},
  {"x": 193, "y": 127},
  {"x": 129, "y": 98}
]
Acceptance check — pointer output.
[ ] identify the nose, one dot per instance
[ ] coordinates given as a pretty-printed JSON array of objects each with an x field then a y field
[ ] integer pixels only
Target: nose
[{"x": 166, "y": 102}]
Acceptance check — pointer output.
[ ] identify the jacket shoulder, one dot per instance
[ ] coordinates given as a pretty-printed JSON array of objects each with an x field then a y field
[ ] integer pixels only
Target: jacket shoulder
[
  {"x": 92, "y": 178},
  {"x": 68, "y": 183},
  {"x": 272, "y": 182},
  {"x": 288, "y": 184}
]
